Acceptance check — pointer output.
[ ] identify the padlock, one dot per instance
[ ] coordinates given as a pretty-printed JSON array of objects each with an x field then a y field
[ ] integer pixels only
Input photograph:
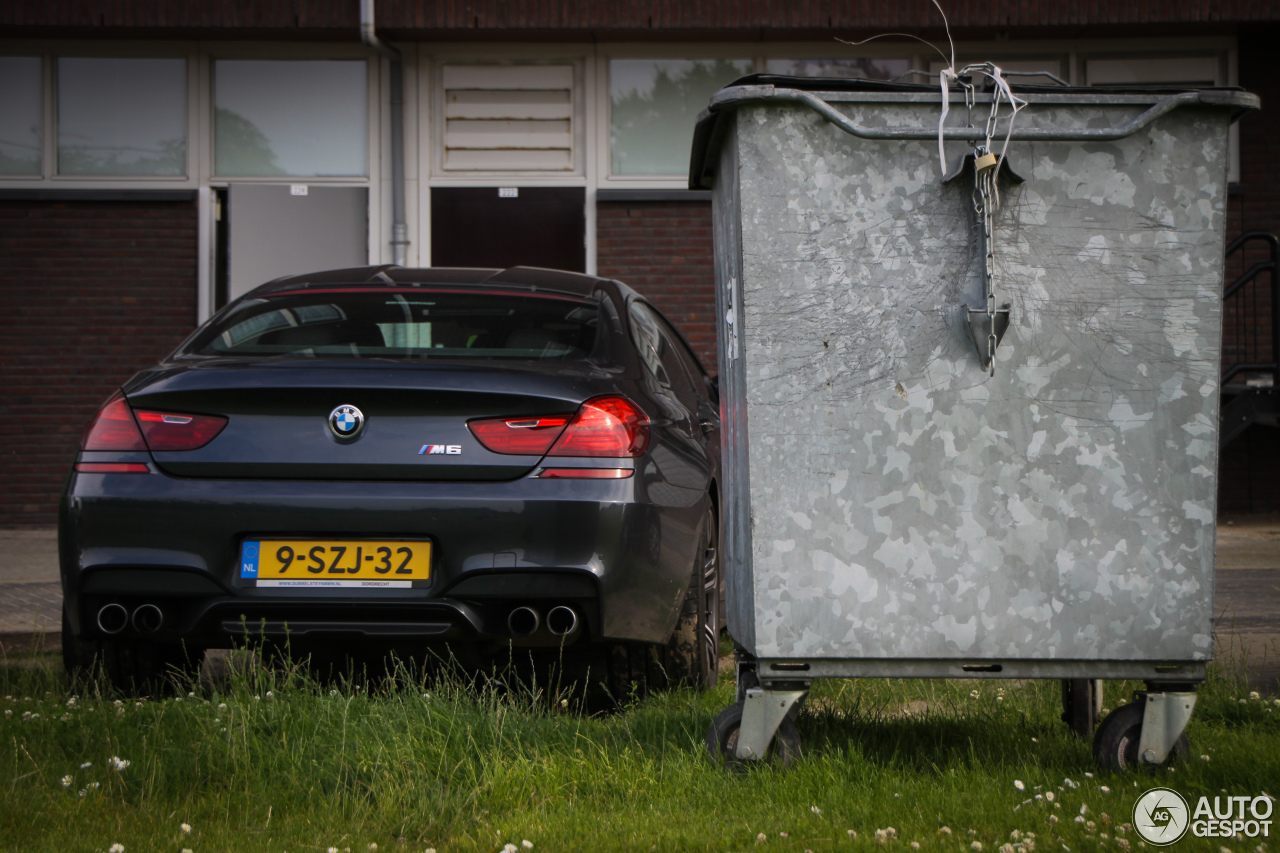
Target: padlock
[{"x": 983, "y": 162}]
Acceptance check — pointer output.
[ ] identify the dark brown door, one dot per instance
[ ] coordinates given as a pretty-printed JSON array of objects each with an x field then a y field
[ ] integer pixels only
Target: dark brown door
[{"x": 492, "y": 227}]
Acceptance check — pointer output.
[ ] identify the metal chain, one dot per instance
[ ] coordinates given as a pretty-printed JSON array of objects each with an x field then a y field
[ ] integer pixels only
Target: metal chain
[{"x": 983, "y": 204}]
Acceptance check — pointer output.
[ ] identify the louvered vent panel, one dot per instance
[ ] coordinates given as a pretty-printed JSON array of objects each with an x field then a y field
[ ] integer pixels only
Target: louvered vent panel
[{"x": 508, "y": 118}]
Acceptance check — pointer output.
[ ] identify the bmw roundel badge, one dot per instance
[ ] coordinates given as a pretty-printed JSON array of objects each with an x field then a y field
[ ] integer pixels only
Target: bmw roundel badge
[{"x": 345, "y": 422}]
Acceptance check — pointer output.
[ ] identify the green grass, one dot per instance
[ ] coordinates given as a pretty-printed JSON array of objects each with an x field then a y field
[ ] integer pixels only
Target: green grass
[{"x": 276, "y": 761}]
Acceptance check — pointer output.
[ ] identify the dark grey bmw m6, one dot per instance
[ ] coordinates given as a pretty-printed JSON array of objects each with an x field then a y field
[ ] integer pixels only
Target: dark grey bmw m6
[{"x": 404, "y": 458}]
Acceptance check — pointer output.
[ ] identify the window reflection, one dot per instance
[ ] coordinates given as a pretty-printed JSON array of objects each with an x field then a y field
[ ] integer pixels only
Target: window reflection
[
  {"x": 21, "y": 116},
  {"x": 654, "y": 104},
  {"x": 122, "y": 116},
  {"x": 303, "y": 118}
]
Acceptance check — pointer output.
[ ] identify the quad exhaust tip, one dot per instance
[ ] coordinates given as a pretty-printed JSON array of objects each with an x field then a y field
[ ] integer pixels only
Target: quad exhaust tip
[
  {"x": 523, "y": 621},
  {"x": 147, "y": 618},
  {"x": 562, "y": 621},
  {"x": 112, "y": 618}
]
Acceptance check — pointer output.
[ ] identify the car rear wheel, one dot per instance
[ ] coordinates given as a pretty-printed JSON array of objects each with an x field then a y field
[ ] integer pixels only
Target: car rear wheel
[{"x": 693, "y": 653}]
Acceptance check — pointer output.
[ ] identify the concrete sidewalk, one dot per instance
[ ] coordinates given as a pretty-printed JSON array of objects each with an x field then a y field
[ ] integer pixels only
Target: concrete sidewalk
[{"x": 1247, "y": 599}]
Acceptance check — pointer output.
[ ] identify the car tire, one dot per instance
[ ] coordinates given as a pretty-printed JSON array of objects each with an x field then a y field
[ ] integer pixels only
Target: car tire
[{"x": 693, "y": 652}]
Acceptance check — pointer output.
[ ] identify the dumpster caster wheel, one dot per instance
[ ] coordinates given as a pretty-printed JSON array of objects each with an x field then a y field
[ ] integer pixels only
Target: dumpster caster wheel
[
  {"x": 722, "y": 741},
  {"x": 1115, "y": 744}
]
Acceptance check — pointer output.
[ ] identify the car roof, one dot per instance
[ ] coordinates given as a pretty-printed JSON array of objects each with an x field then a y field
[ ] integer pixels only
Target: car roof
[{"x": 390, "y": 275}]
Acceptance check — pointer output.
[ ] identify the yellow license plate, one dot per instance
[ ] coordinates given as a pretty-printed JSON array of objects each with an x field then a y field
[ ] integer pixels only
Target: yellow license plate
[{"x": 329, "y": 562}]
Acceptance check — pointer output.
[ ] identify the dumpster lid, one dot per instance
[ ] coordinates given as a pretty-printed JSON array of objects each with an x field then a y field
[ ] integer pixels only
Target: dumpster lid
[{"x": 709, "y": 129}]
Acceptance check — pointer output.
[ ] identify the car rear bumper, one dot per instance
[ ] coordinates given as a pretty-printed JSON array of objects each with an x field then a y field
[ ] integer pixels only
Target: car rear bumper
[{"x": 600, "y": 547}]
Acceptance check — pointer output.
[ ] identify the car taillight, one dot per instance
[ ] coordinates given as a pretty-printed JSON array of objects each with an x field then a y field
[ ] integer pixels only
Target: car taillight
[
  {"x": 172, "y": 431},
  {"x": 609, "y": 427},
  {"x": 114, "y": 428},
  {"x": 531, "y": 436},
  {"x": 585, "y": 473}
]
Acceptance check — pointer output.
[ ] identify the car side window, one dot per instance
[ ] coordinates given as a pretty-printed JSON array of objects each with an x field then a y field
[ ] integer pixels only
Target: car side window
[{"x": 658, "y": 350}]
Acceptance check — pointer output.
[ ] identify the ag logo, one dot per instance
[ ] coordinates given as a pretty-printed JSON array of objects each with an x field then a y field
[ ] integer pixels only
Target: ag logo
[{"x": 1161, "y": 816}]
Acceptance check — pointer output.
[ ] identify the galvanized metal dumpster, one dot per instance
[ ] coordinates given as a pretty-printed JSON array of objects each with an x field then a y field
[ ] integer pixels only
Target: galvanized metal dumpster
[{"x": 895, "y": 504}]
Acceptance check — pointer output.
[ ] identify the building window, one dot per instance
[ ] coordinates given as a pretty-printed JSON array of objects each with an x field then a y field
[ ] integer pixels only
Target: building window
[
  {"x": 502, "y": 118},
  {"x": 872, "y": 69},
  {"x": 653, "y": 106},
  {"x": 21, "y": 116},
  {"x": 303, "y": 118},
  {"x": 122, "y": 116}
]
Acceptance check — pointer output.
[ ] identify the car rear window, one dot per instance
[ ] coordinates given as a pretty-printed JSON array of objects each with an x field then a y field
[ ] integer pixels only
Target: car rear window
[{"x": 389, "y": 324}]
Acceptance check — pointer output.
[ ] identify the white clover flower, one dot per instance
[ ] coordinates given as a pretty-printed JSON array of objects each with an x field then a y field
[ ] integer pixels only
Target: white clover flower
[
  {"x": 333, "y": 692},
  {"x": 137, "y": 705},
  {"x": 270, "y": 695},
  {"x": 191, "y": 695},
  {"x": 7, "y": 713},
  {"x": 1083, "y": 808},
  {"x": 760, "y": 838},
  {"x": 881, "y": 836},
  {"x": 1079, "y": 818},
  {"x": 222, "y": 706},
  {"x": 116, "y": 848},
  {"x": 1204, "y": 758},
  {"x": 66, "y": 781},
  {"x": 1053, "y": 818},
  {"x": 1104, "y": 789},
  {"x": 71, "y": 703},
  {"x": 1000, "y": 698},
  {"x": 1016, "y": 835},
  {"x": 186, "y": 828},
  {"x": 187, "y": 850},
  {"x": 373, "y": 845},
  {"x": 976, "y": 846},
  {"x": 852, "y": 834},
  {"x": 1090, "y": 825},
  {"x": 783, "y": 835},
  {"x": 26, "y": 715},
  {"x": 944, "y": 830},
  {"x": 429, "y": 850},
  {"x": 915, "y": 845},
  {"x": 1017, "y": 783},
  {"x": 1253, "y": 694},
  {"x": 1006, "y": 848},
  {"x": 1242, "y": 702}
]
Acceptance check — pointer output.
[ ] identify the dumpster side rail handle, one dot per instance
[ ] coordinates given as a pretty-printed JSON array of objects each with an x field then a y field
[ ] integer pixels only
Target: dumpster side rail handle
[{"x": 735, "y": 95}]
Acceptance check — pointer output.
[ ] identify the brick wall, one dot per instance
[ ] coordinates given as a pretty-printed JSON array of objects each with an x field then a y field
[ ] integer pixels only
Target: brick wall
[
  {"x": 90, "y": 292},
  {"x": 1249, "y": 470},
  {"x": 663, "y": 250}
]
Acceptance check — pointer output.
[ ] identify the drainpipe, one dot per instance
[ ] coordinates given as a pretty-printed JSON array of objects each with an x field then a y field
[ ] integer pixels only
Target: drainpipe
[{"x": 399, "y": 232}]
